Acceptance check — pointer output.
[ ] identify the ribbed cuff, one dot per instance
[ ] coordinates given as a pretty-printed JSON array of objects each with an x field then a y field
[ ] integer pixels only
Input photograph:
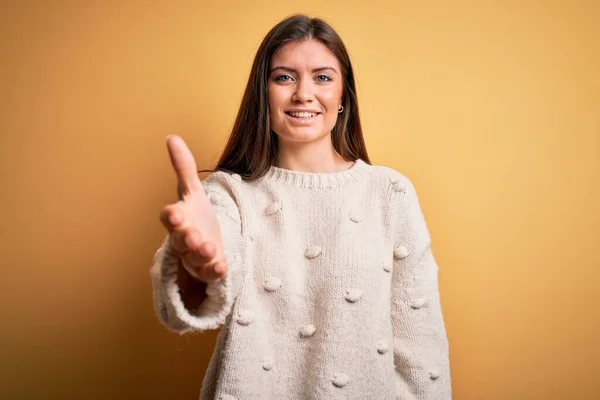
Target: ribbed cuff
[{"x": 171, "y": 309}]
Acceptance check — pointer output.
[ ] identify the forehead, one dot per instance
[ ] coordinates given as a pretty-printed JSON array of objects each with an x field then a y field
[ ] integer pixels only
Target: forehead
[{"x": 305, "y": 53}]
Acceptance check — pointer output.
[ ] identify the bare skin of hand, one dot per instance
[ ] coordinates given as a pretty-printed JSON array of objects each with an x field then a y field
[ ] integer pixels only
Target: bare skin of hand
[{"x": 194, "y": 232}]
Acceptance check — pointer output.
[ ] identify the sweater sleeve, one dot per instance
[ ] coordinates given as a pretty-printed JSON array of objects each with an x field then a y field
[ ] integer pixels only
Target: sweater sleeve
[
  {"x": 211, "y": 314},
  {"x": 421, "y": 353}
]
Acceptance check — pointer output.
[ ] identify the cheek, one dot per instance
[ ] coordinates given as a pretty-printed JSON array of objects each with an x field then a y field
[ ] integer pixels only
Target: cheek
[
  {"x": 272, "y": 98},
  {"x": 330, "y": 98},
  {"x": 275, "y": 98}
]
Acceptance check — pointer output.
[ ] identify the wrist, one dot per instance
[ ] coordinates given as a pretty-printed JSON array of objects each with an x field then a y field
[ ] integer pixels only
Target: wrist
[{"x": 191, "y": 290}]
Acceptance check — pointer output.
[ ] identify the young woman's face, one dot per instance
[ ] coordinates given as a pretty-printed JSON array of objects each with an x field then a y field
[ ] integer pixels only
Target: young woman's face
[{"x": 305, "y": 91}]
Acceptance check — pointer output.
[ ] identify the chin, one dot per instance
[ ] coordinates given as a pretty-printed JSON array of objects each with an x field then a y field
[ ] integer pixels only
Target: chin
[{"x": 302, "y": 135}]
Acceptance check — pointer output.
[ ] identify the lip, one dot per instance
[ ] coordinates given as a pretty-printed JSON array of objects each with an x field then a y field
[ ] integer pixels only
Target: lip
[
  {"x": 296, "y": 110},
  {"x": 302, "y": 121}
]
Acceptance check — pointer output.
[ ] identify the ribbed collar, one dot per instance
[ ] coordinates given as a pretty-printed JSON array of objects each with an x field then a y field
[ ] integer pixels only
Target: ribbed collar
[{"x": 357, "y": 172}]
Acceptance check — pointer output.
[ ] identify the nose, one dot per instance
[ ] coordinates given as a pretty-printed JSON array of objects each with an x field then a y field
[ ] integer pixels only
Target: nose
[{"x": 304, "y": 91}]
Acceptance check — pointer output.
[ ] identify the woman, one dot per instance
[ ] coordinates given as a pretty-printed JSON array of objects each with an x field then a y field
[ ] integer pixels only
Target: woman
[{"x": 316, "y": 264}]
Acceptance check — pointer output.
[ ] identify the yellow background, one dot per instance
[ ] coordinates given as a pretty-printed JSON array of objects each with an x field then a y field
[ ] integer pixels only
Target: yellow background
[{"x": 492, "y": 108}]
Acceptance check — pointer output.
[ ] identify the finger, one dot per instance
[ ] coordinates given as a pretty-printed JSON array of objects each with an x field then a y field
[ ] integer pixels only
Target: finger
[
  {"x": 172, "y": 217},
  {"x": 176, "y": 244},
  {"x": 207, "y": 250},
  {"x": 217, "y": 266},
  {"x": 184, "y": 240},
  {"x": 220, "y": 269},
  {"x": 207, "y": 271},
  {"x": 200, "y": 255},
  {"x": 189, "y": 242},
  {"x": 213, "y": 272},
  {"x": 184, "y": 165},
  {"x": 204, "y": 262}
]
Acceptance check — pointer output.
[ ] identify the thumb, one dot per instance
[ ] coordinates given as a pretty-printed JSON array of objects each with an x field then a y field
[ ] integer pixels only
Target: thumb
[{"x": 184, "y": 165}]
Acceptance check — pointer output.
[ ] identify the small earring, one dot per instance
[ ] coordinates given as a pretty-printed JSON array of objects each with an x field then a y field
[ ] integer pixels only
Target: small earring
[{"x": 341, "y": 109}]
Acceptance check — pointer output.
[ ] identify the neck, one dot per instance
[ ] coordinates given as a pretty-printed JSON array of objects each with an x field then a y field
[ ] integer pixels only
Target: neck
[{"x": 315, "y": 157}]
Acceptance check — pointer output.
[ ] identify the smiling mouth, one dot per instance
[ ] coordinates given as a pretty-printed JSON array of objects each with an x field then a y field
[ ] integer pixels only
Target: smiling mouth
[{"x": 302, "y": 115}]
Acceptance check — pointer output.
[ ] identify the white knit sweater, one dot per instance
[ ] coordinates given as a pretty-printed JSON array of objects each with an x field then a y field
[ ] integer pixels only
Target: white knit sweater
[{"x": 332, "y": 290}]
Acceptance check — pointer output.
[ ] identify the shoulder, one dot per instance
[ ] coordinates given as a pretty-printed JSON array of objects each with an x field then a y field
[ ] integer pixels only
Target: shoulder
[
  {"x": 403, "y": 202},
  {"x": 401, "y": 198},
  {"x": 394, "y": 181},
  {"x": 221, "y": 179},
  {"x": 222, "y": 188}
]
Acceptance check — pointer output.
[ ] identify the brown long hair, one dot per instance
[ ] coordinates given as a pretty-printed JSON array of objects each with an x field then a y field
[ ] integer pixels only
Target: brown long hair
[{"x": 252, "y": 148}]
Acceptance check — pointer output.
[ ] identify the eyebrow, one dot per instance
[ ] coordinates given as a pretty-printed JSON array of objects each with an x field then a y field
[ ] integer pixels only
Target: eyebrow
[{"x": 289, "y": 69}]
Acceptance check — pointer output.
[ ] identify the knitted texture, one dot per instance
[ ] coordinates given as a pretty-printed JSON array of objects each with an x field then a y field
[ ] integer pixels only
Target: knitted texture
[{"x": 332, "y": 290}]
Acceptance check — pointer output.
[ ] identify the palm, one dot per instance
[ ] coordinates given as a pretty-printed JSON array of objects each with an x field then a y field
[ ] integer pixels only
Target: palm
[{"x": 195, "y": 235}]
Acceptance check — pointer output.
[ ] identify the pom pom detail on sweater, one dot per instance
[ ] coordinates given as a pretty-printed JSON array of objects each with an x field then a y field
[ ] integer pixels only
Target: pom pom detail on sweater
[
  {"x": 313, "y": 252},
  {"x": 418, "y": 303},
  {"x": 400, "y": 252},
  {"x": 382, "y": 347},
  {"x": 307, "y": 330},
  {"x": 434, "y": 374},
  {"x": 340, "y": 380},
  {"x": 244, "y": 317},
  {"x": 353, "y": 295},
  {"x": 272, "y": 284},
  {"x": 267, "y": 363},
  {"x": 356, "y": 217},
  {"x": 273, "y": 208},
  {"x": 387, "y": 267}
]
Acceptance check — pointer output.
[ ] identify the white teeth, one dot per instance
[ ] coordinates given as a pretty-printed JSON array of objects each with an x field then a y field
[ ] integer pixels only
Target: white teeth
[{"x": 302, "y": 114}]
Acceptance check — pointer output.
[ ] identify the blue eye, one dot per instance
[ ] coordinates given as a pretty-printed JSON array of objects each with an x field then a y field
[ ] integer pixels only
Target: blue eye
[
  {"x": 280, "y": 78},
  {"x": 327, "y": 78}
]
